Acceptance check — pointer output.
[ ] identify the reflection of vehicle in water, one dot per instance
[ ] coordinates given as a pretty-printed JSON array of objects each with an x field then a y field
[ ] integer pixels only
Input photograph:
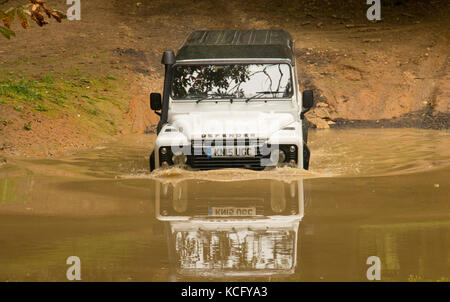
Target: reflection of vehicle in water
[
  {"x": 231, "y": 100},
  {"x": 231, "y": 228}
]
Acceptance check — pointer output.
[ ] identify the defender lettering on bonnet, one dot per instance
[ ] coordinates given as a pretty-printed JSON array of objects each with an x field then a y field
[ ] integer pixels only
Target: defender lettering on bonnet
[
  {"x": 231, "y": 100},
  {"x": 229, "y": 135}
]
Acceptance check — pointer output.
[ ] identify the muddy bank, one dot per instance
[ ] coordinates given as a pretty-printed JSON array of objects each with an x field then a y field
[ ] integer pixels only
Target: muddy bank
[{"x": 423, "y": 119}]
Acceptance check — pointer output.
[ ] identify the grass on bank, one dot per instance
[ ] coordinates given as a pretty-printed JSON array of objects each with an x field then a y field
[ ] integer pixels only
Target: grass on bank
[{"x": 97, "y": 101}]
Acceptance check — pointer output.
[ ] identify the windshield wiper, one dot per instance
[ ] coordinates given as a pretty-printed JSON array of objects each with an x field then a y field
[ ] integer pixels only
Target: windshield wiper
[
  {"x": 259, "y": 93},
  {"x": 231, "y": 96},
  {"x": 198, "y": 97},
  {"x": 216, "y": 94}
]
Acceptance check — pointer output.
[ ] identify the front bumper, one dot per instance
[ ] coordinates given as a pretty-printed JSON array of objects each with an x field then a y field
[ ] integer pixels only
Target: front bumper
[{"x": 198, "y": 158}]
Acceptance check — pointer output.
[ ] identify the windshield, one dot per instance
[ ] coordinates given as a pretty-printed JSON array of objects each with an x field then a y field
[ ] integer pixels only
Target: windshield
[{"x": 236, "y": 81}]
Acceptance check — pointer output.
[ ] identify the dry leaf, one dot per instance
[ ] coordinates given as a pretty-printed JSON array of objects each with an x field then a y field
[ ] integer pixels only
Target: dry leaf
[
  {"x": 22, "y": 18},
  {"x": 8, "y": 17}
]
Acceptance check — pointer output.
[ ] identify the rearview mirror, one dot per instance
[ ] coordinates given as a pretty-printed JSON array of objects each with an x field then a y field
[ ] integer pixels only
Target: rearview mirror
[
  {"x": 307, "y": 101},
  {"x": 155, "y": 101}
]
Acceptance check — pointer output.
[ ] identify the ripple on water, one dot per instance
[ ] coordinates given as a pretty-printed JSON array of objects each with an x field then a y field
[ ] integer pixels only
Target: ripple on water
[{"x": 378, "y": 152}]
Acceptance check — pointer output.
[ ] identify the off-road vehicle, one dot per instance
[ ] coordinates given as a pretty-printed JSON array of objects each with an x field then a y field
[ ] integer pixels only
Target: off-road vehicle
[{"x": 231, "y": 99}]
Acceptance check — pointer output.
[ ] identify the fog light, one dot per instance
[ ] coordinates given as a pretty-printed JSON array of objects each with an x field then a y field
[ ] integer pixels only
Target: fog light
[
  {"x": 164, "y": 164},
  {"x": 179, "y": 159},
  {"x": 292, "y": 148},
  {"x": 163, "y": 151},
  {"x": 292, "y": 163}
]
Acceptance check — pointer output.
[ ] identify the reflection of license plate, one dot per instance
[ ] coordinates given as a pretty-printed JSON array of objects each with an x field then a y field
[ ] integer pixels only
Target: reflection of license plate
[
  {"x": 231, "y": 151},
  {"x": 231, "y": 211}
]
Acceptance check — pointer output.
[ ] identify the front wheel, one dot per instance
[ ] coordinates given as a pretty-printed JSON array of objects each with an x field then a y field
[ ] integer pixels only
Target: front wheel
[
  {"x": 305, "y": 126},
  {"x": 152, "y": 161},
  {"x": 306, "y": 153}
]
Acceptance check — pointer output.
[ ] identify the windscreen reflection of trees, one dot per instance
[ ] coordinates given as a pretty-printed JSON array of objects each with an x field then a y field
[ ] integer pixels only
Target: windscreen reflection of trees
[
  {"x": 232, "y": 81},
  {"x": 237, "y": 250}
]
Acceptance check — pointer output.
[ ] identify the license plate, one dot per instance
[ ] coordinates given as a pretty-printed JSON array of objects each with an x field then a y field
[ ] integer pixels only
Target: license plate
[
  {"x": 231, "y": 211},
  {"x": 231, "y": 151}
]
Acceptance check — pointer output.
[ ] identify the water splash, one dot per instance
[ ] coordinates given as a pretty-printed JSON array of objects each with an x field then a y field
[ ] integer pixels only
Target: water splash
[{"x": 175, "y": 175}]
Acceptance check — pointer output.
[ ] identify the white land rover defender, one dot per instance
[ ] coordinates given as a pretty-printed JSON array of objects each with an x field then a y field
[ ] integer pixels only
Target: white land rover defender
[{"x": 231, "y": 100}]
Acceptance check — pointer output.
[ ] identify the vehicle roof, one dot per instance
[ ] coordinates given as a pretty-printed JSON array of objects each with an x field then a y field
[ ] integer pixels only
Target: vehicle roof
[{"x": 237, "y": 44}]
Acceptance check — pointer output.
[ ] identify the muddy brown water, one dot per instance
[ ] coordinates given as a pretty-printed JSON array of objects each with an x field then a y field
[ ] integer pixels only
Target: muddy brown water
[{"x": 381, "y": 193}]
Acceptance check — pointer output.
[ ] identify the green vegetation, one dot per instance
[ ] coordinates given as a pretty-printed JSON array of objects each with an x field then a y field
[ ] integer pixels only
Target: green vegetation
[
  {"x": 92, "y": 111},
  {"x": 48, "y": 79},
  {"x": 27, "y": 126},
  {"x": 96, "y": 102},
  {"x": 41, "y": 107},
  {"x": 20, "y": 90}
]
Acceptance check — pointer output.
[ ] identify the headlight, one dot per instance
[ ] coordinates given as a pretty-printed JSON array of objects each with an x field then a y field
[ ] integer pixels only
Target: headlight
[
  {"x": 284, "y": 155},
  {"x": 164, "y": 164},
  {"x": 170, "y": 156}
]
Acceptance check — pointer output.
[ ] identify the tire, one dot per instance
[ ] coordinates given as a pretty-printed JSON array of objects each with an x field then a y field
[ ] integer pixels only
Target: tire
[
  {"x": 306, "y": 152},
  {"x": 305, "y": 126},
  {"x": 306, "y": 155},
  {"x": 152, "y": 161}
]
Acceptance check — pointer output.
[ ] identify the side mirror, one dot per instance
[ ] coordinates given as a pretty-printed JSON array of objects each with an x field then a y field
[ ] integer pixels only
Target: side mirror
[
  {"x": 307, "y": 101},
  {"x": 168, "y": 57},
  {"x": 155, "y": 101}
]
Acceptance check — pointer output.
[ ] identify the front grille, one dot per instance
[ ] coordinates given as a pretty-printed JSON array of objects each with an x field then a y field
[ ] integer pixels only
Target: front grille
[{"x": 200, "y": 161}]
